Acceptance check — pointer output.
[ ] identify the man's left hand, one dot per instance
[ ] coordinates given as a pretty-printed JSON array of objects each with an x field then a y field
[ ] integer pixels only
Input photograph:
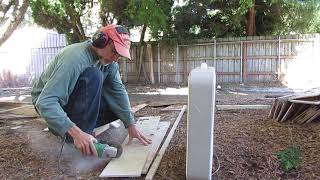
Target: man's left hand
[{"x": 134, "y": 132}]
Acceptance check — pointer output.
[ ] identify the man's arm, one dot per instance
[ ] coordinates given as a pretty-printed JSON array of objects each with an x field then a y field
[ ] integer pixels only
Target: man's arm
[
  {"x": 53, "y": 96},
  {"x": 118, "y": 100}
]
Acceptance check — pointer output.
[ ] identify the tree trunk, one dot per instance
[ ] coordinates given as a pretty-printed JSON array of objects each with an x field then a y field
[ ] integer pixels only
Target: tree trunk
[
  {"x": 18, "y": 17},
  {"x": 77, "y": 26},
  {"x": 251, "y": 26},
  {"x": 140, "y": 57},
  {"x": 138, "y": 63}
]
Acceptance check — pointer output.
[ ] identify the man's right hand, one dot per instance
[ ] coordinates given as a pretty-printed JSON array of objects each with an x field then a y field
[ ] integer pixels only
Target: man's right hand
[{"x": 83, "y": 141}]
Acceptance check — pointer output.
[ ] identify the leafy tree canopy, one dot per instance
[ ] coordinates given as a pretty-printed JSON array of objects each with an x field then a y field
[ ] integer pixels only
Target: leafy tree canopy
[
  {"x": 196, "y": 19},
  {"x": 221, "y": 18},
  {"x": 150, "y": 13},
  {"x": 62, "y": 15}
]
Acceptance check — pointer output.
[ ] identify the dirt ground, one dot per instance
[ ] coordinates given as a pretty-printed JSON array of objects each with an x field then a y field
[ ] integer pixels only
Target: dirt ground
[{"x": 246, "y": 142}]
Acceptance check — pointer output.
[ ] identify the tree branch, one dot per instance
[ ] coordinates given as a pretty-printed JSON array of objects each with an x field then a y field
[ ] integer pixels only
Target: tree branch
[{"x": 18, "y": 17}]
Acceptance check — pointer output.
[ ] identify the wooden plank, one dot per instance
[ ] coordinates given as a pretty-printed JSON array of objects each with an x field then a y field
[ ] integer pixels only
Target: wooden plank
[
  {"x": 311, "y": 112},
  {"x": 176, "y": 107},
  {"x": 315, "y": 116},
  {"x": 16, "y": 117},
  {"x": 301, "y": 118},
  {"x": 156, "y": 141},
  {"x": 272, "y": 109},
  {"x": 238, "y": 107},
  {"x": 305, "y": 102},
  {"x": 12, "y": 104},
  {"x": 164, "y": 103},
  {"x": 10, "y": 110},
  {"x": 138, "y": 107},
  {"x": 289, "y": 113},
  {"x": 27, "y": 110},
  {"x": 300, "y": 110},
  {"x": 161, "y": 152},
  {"x": 103, "y": 128},
  {"x": 308, "y": 94},
  {"x": 276, "y": 111},
  {"x": 134, "y": 156},
  {"x": 283, "y": 110}
]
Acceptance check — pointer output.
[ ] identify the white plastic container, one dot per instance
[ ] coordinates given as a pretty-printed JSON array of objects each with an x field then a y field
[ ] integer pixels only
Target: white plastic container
[{"x": 201, "y": 103}]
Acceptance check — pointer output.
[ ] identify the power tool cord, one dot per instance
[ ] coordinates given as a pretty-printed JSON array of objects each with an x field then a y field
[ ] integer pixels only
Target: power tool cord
[
  {"x": 60, "y": 154},
  {"x": 59, "y": 160},
  {"x": 218, "y": 168}
]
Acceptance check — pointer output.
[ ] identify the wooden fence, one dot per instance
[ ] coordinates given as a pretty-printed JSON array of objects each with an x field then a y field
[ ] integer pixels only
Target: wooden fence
[{"x": 236, "y": 60}]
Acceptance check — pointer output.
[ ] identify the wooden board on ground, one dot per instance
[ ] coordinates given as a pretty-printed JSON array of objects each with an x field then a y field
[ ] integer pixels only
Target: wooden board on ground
[
  {"x": 238, "y": 107},
  {"x": 138, "y": 107},
  {"x": 273, "y": 96},
  {"x": 133, "y": 158},
  {"x": 156, "y": 163},
  {"x": 27, "y": 110},
  {"x": 304, "y": 95},
  {"x": 165, "y": 103},
  {"x": 16, "y": 117},
  {"x": 176, "y": 107},
  {"x": 305, "y": 102},
  {"x": 103, "y": 128},
  {"x": 156, "y": 141},
  {"x": 5, "y": 105}
]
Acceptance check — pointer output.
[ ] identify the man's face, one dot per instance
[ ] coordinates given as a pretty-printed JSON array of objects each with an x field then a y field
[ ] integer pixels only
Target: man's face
[{"x": 108, "y": 54}]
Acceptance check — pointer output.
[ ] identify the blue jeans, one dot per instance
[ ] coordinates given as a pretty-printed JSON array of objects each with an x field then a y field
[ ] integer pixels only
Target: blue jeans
[{"x": 86, "y": 106}]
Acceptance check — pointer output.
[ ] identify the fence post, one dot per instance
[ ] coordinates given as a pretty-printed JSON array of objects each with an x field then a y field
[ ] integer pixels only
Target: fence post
[
  {"x": 215, "y": 54},
  {"x": 126, "y": 71},
  {"x": 150, "y": 57},
  {"x": 244, "y": 61},
  {"x": 279, "y": 60},
  {"x": 177, "y": 66},
  {"x": 159, "y": 63},
  {"x": 185, "y": 64},
  {"x": 241, "y": 62}
]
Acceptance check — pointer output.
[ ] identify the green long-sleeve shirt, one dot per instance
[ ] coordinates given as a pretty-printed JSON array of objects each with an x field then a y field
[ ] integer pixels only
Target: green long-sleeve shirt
[{"x": 55, "y": 85}]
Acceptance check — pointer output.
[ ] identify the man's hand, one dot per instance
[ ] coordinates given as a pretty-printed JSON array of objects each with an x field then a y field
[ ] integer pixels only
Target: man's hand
[
  {"x": 83, "y": 141},
  {"x": 134, "y": 132}
]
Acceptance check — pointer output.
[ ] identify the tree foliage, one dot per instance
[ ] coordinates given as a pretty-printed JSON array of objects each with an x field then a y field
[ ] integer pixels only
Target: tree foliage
[
  {"x": 150, "y": 13},
  {"x": 196, "y": 19},
  {"x": 72, "y": 17},
  {"x": 221, "y": 18},
  {"x": 62, "y": 15},
  {"x": 111, "y": 10},
  {"x": 12, "y": 14}
]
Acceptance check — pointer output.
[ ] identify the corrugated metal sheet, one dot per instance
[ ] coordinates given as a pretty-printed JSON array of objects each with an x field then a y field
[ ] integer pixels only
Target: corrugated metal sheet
[{"x": 44, "y": 53}]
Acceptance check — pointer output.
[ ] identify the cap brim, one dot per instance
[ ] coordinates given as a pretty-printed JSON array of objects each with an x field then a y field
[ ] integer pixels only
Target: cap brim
[{"x": 123, "y": 51}]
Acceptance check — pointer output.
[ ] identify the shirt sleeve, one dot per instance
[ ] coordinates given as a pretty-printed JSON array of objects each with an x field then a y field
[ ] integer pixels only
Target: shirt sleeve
[
  {"x": 55, "y": 95},
  {"x": 116, "y": 95}
]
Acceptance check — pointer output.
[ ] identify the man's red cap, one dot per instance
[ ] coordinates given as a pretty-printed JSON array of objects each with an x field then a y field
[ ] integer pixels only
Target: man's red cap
[{"x": 120, "y": 37}]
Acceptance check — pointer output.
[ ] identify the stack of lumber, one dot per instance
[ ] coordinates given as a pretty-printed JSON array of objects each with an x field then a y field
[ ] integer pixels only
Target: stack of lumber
[{"x": 301, "y": 108}]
